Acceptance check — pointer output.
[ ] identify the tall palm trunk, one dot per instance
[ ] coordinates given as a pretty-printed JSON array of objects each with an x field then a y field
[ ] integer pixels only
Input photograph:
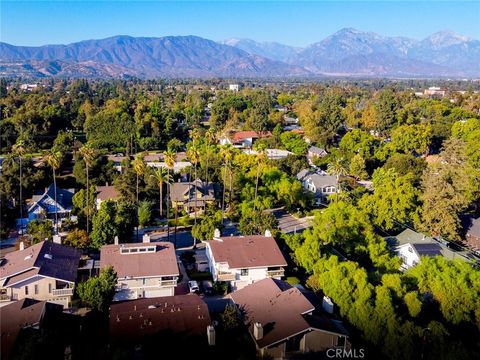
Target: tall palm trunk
[
  {"x": 256, "y": 188},
  {"x": 168, "y": 206},
  {"x": 137, "y": 208},
  {"x": 21, "y": 195},
  {"x": 231, "y": 188},
  {"x": 161, "y": 200},
  {"x": 55, "y": 195},
  {"x": 206, "y": 166},
  {"x": 195, "y": 204},
  {"x": 224, "y": 190},
  {"x": 88, "y": 196}
]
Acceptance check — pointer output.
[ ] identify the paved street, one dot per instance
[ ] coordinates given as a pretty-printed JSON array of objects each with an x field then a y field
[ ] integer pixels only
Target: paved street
[{"x": 289, "y": 224}]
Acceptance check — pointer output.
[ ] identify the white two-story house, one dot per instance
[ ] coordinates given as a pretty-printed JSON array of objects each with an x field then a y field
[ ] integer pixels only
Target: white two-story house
[
  {"x": 319, "y": 183},
  {"x": 45, "y": 271},
  {"x": 243, "y": 260},
  {"x": 143, "y": 269}
]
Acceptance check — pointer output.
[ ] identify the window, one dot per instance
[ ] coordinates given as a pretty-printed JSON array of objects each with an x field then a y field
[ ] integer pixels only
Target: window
[
  {"x": 50, "y": 288},
  {"x": 35, "y": 289},
  {"x": 244, "y": 272},
  {"x": 26, "y": 290}
]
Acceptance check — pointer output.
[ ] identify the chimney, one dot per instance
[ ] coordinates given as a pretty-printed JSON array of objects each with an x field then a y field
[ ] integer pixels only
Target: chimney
[
  {"x": 115, "y": 241},
  {"x": 22, "y": 245},
  {"x": 268, "y": 233},
  {"x": 216, "y": 233},
  {"x": 257, "y": 331},
  {"x": 57, "y": 239},
  {"x": 146, "y": 238},
  {"x": 211, "y": 335},
  {"x": 327, "y": 304}
]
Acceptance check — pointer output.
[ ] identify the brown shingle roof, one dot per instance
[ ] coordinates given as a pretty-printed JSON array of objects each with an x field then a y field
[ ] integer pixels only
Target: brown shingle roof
[
  {"x": 278, "y": 307},
  {"x": 107, "y": 193},
  {"x": 160, "y": 262},
  {"x": 19, "y": 315},
  {"x": 247, "y": 251},
  {"x": 51, "y": 259},
  {"x": 182, "y": 315},
  {"x": 180, "y": 189}
]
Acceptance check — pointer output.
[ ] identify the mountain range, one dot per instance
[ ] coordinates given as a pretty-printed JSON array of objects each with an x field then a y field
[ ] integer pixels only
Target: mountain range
[{"x": 348, "y": 52}]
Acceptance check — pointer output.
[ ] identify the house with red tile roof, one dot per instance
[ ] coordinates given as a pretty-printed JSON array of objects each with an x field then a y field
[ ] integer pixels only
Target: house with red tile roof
[
  {"x": 143, "y": 270},
  {"x": 45, "y": 271},
  {"x": 243, "y": 260},
  {"x": 281, "y": 319},
  {"x": 243, "y": 139}
]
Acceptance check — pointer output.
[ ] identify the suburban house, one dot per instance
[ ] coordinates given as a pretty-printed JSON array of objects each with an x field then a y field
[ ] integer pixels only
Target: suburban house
[
  {"x": 471, "y": 230},
  {"x": 158, "y": 161},
  {"x": 283, "y": 321},
  {"x": 22, "y": 316},
  {"x": 118, "y": 161},
  {"x": 170, "y": 319},
  {"x": 243, "y": 139},
  {"x": 273, "y": 154},
  {"x": 243, "y": 260},
  {"x": 435, "y": 91},
  {"x": 44, "y": 271},
  {"x": 410, "y": 246},
  {"x": 319, "y": 183},
  {"x": 234, "y": 87},
  {"x": 315, "y": 152},
  {"x": 144, "y": 270},
  {"x": 44, "y": 205},
  {"x": 183, "y": 194},
  {"x": 105, "y": 193}
]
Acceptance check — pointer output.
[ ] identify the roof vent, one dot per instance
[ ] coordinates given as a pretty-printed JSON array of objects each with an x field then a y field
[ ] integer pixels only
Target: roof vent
[
  {"x": 216, "y": 233},
  {"x": 268, "y": 233},
  {"x": 48, "y": 256},
  {"x": 28, "y": 257}
]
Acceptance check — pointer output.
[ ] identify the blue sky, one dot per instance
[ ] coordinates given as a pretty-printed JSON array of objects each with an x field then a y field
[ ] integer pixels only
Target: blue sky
[{"x": 295, "y": 23}]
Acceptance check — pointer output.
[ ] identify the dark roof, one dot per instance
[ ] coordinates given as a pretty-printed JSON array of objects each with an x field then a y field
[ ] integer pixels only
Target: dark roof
[
  {"x": 247, "y": 251},
  {"x": 471, "y": 225},
  {"x": 277, "y": 306},
  {"x": 178, "y": 191},
  {"x": 159, "y": 259},
  {"x": 45, "y": 258},
  {"x": 64, "y": 197},
  {"x": 19, "y": 315},
  {"x": 317, "y": 151},
  {"x": 182, "y": 315}
]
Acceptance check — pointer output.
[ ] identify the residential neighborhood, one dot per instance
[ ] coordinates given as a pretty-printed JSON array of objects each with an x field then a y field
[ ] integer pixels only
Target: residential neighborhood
[{"x": 234, "y": 180}]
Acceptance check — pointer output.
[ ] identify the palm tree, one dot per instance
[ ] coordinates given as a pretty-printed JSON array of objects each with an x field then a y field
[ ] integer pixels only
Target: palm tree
[
  {"x": 227, "y": 153},
  {"x": 53, "y": 159},
  {"x": 170, "y": 156},
  {"x": 193, "y": 153},
  {"x": 210, "y": 139},
  {"x": 139, "y": 166},
  {"x": 19, "y": 149},
  {"x": 88, "y": 154},
  {"x": 161, "y": 176},
  {"x": 337, "y": 168},
  {"x": 261, "y": 156}
]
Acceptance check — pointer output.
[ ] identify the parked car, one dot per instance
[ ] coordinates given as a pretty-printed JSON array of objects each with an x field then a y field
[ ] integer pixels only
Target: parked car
[
  {"x": 193, "y": 286},
  {"x": 207, "y": 287}
]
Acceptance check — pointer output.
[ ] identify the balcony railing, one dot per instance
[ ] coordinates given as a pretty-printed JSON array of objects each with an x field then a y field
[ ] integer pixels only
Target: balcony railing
[
  {"x": 276, "y": 273},
  {"x": 167, "y": 283},
  {"x": 225, "y": 276},
  {"x": 63, "y": 292}
]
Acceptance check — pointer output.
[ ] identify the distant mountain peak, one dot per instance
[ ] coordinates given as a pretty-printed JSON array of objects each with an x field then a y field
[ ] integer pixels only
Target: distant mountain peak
[{"x": 447, "y": 38}]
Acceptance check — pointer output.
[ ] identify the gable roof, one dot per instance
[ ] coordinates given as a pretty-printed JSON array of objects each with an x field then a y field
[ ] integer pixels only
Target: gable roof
[
  {"x": 19, "y": 315},
  {"x": 45, "y": 258},
  {"x": 250, "y": 251},
  {"x": 182, "y": 315},
  {"x": 178, "y": 190},
  {"x": 277, "y": 306},
  {"x": 64, "y": 198},
  {"x": 319, "y": 180},
  {"x": 423, "y": 245},
  {"x": 317, "y": 151},
  {"x": 161, "y": 261},
  {"x": 107, "y": 193}
]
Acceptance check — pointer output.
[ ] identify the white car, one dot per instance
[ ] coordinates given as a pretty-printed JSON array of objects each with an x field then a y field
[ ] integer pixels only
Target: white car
[{"x": 193, "y": 286}]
